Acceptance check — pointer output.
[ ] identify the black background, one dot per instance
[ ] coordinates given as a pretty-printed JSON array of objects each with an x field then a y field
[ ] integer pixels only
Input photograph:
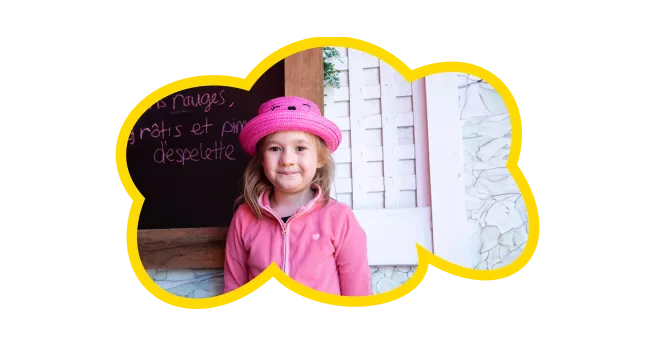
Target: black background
[{"x": 201, "y": 193}]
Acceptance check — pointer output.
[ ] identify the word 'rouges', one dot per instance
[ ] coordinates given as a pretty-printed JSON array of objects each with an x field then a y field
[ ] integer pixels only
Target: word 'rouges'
[{"x": 205, "y": 100}]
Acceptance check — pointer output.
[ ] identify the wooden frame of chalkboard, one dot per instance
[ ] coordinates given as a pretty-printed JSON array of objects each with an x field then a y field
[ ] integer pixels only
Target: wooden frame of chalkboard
[{"x": 162, "y": 244}]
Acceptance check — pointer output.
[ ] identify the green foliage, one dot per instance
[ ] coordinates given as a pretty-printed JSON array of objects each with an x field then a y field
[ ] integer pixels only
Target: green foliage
[{"x": 331, "y": 75}]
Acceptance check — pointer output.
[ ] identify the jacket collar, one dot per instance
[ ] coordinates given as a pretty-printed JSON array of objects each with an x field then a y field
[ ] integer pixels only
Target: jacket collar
[{"x": 264, "y": 201}]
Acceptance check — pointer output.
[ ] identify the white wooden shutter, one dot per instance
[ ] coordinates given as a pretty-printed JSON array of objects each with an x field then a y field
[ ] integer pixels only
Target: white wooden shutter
[{"x": 383, "y": 123}]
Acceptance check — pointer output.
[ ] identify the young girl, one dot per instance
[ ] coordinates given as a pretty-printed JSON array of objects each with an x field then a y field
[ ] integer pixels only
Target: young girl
[{"x": 288, "y": 216}]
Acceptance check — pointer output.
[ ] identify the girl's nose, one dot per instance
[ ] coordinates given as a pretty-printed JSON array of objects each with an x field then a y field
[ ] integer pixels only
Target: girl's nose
[{"x": 288, "y": 158}]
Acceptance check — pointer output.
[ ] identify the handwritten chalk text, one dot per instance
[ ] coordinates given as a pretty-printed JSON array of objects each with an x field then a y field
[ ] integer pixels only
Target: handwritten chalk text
[
  {"x": 157, "y": 130},
  {"x": 183, "y": 101},
  {"x": 192, "y": 141},
  {"x": 233, "y": 127},
  {"x": 165, "y": 154},
  {"x": 160, "y": 130}
]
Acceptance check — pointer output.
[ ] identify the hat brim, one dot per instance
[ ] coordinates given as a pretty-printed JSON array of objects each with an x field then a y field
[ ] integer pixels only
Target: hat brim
[{"x": 284, "y": 120}]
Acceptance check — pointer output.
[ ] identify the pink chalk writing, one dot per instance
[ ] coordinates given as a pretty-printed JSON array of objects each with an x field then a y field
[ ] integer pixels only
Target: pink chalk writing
[
  {"x": 206, "y": 100},
  {"x": 160, "y": 104},
  {"x": 181, "y": 102},
  {"x": 165, "y": 154},
  {"x": 207, "y": 145},
  {"x": 160, "y": 130},
  {"x": 233, "y": 127},
  {"x": 157, "y": 130},
  {"x": 198, "y": 129}
]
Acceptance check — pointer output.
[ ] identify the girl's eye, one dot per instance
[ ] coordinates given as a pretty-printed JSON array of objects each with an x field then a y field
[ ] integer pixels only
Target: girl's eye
[
  {"x": 301, "y": 148},
  {"x": 274, "y": 149}
]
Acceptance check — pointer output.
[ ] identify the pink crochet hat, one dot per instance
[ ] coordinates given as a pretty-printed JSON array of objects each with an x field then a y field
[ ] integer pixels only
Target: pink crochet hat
[{"x": 289, "y": 113}]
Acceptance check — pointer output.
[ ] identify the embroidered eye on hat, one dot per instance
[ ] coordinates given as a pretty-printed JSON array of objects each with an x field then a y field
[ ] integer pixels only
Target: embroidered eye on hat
[{"x": 289, "y": 113}]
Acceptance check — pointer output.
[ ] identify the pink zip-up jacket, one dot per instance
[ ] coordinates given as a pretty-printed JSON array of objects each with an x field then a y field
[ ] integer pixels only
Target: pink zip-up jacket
[{"x": 321, "y": 246}]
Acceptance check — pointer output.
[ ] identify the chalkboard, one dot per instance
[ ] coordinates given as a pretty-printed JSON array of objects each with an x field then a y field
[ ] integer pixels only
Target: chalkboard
[{"x": 184, "y": 155}]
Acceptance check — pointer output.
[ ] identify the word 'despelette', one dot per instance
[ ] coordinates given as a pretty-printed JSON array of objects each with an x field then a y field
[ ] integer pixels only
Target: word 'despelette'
[{"x": 220, "y": 151}]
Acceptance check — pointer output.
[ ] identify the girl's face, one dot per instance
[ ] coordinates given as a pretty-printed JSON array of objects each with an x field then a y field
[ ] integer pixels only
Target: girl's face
[{"x": 290, "y": 160}]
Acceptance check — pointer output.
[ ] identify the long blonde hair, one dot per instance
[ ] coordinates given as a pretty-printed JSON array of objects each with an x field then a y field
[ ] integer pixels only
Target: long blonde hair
[{"x": 255, "y": 182}]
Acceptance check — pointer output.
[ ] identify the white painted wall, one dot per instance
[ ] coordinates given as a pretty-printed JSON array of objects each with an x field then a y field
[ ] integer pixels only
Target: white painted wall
[
  {"x": 450, "y": 234},
  {"x": 409, "y": 109},
  {"x": 376, "y": 162}
]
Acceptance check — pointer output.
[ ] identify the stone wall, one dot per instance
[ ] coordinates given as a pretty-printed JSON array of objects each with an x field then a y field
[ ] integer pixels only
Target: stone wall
[
  {"x": 202, "y": 283},
  {"x": 496, "y": 213}
]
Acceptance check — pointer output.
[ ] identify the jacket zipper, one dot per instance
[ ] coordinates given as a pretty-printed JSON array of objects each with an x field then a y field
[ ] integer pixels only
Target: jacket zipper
[
  {"x": 285, "y": 250},
  {"x": 285, "y": 236}
]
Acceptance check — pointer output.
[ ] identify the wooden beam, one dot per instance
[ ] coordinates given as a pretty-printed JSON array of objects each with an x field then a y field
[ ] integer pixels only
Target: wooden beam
[
  {"x": 303, "y": 76},
  {"x": 184, "y": 248}
]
